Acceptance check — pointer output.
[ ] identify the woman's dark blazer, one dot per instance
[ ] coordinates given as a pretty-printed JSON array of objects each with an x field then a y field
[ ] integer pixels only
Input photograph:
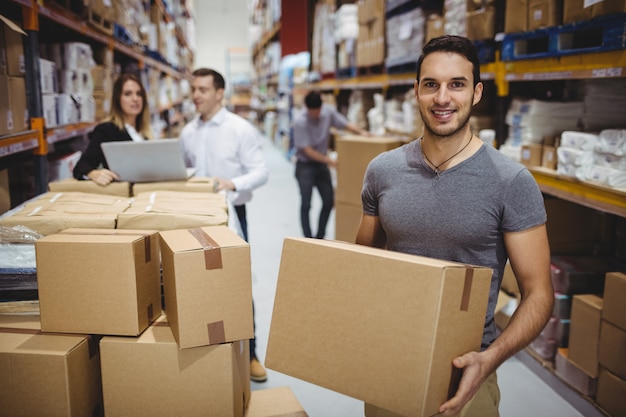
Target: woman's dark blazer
[{"x": 93, "y": 157}]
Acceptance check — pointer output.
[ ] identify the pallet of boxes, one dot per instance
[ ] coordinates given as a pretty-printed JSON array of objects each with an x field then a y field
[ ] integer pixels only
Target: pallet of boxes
[{"x": 137, "y": 322}]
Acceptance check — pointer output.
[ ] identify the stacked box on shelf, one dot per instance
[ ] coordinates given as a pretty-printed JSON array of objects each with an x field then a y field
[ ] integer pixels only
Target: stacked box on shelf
[
  {"x": 323, "y": 57},
  {"x": 371, "y": 41},
  {"x": 612, "y": 355},
  {"x": 13, "y": 107},
  {"x": 584, "y": 339}
]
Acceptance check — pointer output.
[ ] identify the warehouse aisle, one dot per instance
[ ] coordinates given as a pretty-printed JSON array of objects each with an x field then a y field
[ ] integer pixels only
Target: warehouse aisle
[{"x": 272, "y": 216}]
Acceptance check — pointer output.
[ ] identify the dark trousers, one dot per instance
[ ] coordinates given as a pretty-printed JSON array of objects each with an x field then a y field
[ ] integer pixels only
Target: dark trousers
[
  {"x": 243, "y": 222},
  {"x": 314, "y": 175}
]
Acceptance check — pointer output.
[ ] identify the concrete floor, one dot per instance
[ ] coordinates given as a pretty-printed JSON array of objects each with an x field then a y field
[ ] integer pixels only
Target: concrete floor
[{"x": 272, "y": 216}]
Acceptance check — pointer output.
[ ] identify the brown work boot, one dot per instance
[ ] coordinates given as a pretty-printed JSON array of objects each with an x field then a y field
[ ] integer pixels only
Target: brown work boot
[{"x": 257, "y": 371}]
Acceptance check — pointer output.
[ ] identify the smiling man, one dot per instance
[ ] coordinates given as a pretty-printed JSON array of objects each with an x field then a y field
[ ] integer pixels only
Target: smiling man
[
  {"x": 448, "y": 196},
  {"x": 223, "y": 145}
]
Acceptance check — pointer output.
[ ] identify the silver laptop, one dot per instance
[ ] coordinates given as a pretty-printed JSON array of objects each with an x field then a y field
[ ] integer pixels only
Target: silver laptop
[{"x": 147, "y": 161}]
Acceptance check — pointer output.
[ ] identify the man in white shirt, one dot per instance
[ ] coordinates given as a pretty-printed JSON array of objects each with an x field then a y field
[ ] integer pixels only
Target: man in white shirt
[{"x": 225, "y": 146}]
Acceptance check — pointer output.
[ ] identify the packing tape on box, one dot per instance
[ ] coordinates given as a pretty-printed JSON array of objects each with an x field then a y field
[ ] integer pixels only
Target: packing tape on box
[
  {"x": 216, "y": 332},
  {"x": 467, "y": 288},
  {"x": 146, "y": 240},
  {"x": 212, "y": 251}
]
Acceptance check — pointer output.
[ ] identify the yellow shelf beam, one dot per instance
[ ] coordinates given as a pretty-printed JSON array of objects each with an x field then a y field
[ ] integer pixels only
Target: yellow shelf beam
[{"x": 595, "y": 196}]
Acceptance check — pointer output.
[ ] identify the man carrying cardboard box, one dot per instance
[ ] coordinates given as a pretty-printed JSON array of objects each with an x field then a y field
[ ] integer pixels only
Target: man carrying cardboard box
[{"x": 448, "y": 196}]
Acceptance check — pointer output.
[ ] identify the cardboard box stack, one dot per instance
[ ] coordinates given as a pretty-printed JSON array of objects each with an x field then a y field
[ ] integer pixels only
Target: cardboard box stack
[
  {"x": 354, "y": 153},
  {"x": 196, "y": 362},
  {"x": 612, "y": 355},
  {"x": 334, "y": 327}
]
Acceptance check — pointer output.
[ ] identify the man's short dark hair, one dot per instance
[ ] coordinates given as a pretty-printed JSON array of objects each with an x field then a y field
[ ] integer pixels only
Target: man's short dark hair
[
  {"x": 313, "y": 100},
  {"x": 452, "y": 43},
  {"x": 218, "y": 80}
]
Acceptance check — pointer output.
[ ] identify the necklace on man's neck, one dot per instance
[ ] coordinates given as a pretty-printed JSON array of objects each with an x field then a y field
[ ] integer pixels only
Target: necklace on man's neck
[{"x": 436, "y": 167}]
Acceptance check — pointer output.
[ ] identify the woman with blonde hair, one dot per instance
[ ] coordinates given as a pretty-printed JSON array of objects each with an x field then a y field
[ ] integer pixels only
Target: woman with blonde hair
[{"x": 129, "y": 120}]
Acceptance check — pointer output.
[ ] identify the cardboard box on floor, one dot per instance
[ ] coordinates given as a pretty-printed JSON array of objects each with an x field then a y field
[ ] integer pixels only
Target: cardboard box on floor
[
  {"x": 344, "y": 313},
  {"x": 97, "y": 281},
  {"x": 611, "y": 393},
  {"x": 614, "y": 308},
  {"x": 274, "y": 402},
  {"x": 150, "y": 376},
  {"x": 43, "y": 374},
  {"x": 207, "y": 281}
]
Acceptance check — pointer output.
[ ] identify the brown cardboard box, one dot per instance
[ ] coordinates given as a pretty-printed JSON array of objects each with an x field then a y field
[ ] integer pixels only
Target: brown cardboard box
[
  {"x": 516, "y": 16},
  {"x": 544, "y": 13},
  {"x": 5, "y": 193},
  {"x": 150, "y": 376},
  {"x": 605, "y": 7},
  {"x": 575, "y": 10},
  {"x": 354, "y": 153},
  {"x": 434, "y": 27},
  {"x": 611, "y": 393},
  {"x": 274, "y": 402},
  {"x": 47, "y": 374},
  {"x": 99, "y": 281},
  {"x": 549, "y": 157},
  {"x": 531, "y": 155},
  {"x": 6, "y": 113},
  {"x": 119, "y": 189},
  {"x": 573, "y": 375},
  {"x": 481, "y": 24},
  {"x": 19, "y": 108},
  {"x": 347, "y": 219},
  {"x": 14, "y": 47},
  {"x": 614, "y": 295},
  {"x": 584, "y": 333},
  {"x": 193, "y": 185},
  {"x": 344, "y": 312},
  {"x": 207, "y": 281},
  {"x": 613, "y": 349},
  {"x": 48, "y": 225}
]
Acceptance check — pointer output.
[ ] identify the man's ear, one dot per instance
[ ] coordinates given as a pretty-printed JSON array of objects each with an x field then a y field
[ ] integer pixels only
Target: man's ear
[
  {"x": 478, "y": 93},
  {"x": 416, "y": 86}
]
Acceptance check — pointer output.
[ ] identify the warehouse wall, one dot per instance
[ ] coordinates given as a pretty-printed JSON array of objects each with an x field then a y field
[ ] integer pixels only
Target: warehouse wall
[{"x": 220, "y": 25}]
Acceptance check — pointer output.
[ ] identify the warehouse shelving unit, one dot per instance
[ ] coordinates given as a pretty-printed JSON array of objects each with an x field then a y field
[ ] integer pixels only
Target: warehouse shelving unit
[{"x": 39, "y": 138}]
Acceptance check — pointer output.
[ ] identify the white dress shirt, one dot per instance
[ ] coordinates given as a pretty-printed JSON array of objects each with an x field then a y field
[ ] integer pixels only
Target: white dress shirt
[{"x": 229, "y": 147}]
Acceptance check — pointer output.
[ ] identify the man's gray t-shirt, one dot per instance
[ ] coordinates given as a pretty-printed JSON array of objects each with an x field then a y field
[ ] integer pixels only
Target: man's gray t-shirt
[
  {"x": 460, "y": 215},
  {"x": 315, "y": 132}
]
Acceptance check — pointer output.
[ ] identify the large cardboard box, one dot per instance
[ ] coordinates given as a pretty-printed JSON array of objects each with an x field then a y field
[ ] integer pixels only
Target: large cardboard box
[
  {"x": 614, "y": 296},
  {"x": 19, "y": 107},
  {"x": 611, "y": 393},
  {"x": 150, "y": 376},
  {"x": 274, "y": 402},
  {"x": 47, "y": 374},
  {"x": 354, "y": 153},
  {"x": 344, "y": 312},
  {"x": 584, "y": 333},
  {"x": 613, "y": 349},
  {"x": 347, "y": 220},
  {"x": 96, "y": 281},
  {"x": 207, "y": 282}
]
